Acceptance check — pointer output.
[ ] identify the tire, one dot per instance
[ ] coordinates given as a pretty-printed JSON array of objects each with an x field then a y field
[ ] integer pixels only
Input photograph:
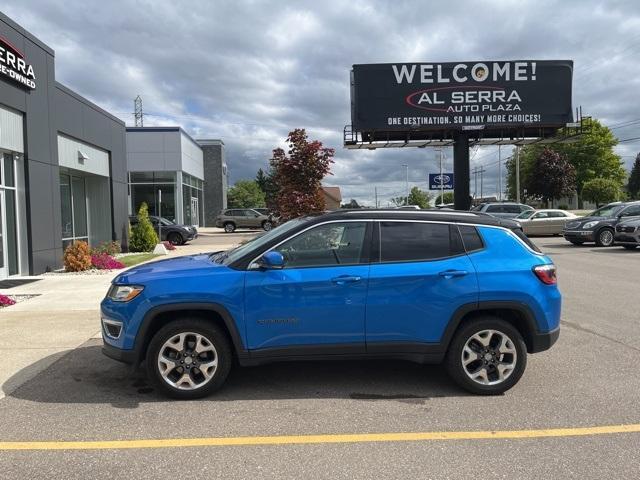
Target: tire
[
  {"x": 229, "y": 227},
  {"x": 576, "y": 242},
  {"x": 630, "y": 247},
  {"x": 492, "y": 330},
  {"x": 267, "y": 225},
  {"x": 192, "y": 332},
  {"x": 175, "y": 238},
  {"x": 604, "y": 238}
]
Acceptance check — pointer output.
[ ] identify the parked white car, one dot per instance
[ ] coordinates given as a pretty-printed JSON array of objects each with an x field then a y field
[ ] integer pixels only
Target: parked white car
[{"x": 544, "y": 222}]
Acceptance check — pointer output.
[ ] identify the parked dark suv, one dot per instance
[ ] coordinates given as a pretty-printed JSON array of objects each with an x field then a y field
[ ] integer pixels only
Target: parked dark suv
[
  {"x": 426, "y": 286},
  {"x": 599, "y": 226},
  {"x": 170, "y": 231}
]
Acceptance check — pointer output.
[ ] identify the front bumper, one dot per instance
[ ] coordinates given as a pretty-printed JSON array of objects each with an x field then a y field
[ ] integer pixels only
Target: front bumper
[
  {"x": 126, "y": 356},
  {"x": 579, "y": 235},
  {"x": 627, "y": 239},
  {"x": 544, "y": 341}
]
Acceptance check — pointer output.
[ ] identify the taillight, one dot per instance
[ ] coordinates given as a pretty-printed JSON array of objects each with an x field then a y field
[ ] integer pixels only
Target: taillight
[{"x": 546, "y": 274}]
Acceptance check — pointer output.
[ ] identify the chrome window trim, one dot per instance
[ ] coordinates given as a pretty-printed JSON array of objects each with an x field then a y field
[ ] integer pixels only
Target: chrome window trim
[{"x": 254, "y": 266}]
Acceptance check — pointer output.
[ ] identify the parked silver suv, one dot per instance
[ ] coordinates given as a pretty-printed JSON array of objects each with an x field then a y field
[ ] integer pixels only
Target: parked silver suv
[
  {"x": 628, "y": 233},
  {"x": 233, "y": 218},
  {"x": 502, "y": 209}
]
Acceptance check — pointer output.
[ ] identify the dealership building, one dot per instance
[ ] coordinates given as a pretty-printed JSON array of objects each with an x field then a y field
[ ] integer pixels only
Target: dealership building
[
  {"x": 63, "y": 172},
  {"x": 179, "y": 178}
]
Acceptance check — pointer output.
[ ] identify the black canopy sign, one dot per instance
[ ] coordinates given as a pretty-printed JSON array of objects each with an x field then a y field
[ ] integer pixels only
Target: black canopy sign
[{"x": 461, "y": 96}]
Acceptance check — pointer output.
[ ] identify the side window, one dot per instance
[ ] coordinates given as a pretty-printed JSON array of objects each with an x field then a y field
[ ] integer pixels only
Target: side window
[
  {"x": 523, "y": 208},
  {"x": 632, "y": 211},
  {"x": 250, "y": 213},
  {"x": 470, "y": 238},
  {"x": 557, "y": 214},
  {"x": 495, "y": 209},
  {"x": 413, "y": 241},
  {"x": 330, "y": 244},
  {"x": 512, "y": 209},
  {"x": 542, "y": 215}
]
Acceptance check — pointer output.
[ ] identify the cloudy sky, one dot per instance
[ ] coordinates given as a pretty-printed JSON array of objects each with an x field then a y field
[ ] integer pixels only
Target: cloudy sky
[{"x": 250, "y": 71}]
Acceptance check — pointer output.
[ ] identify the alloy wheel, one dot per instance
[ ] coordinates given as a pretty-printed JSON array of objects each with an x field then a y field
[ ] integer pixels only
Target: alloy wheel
[
  {"x": 606, "y": 237},
  {"x": 489, "y": 357},
  {"x": 187, "y": 361}
]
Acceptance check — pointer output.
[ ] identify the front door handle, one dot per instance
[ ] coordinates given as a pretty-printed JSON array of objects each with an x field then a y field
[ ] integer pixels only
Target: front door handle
[
  {"x": 344, "y": 279},
  {"x": 453, "y": 273}
]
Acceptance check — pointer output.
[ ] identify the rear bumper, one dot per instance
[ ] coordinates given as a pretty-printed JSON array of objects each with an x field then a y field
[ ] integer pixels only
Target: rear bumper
[{"x": 544, "y": 341}]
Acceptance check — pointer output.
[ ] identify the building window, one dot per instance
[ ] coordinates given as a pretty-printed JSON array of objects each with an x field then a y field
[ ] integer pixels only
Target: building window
[
  {"x": 192, "y": 200},
  {"x": 157, "y": 190},
  {"x": 9, "y": 253},
  {"x": 73, "y": 202}
]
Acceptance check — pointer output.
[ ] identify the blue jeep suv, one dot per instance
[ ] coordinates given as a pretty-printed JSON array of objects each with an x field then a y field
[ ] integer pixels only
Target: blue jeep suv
[{"x": 467, "y": 290}]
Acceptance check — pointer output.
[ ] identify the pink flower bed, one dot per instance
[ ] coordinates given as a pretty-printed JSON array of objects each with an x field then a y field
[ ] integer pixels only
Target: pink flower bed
[
  {"x": 6, "y": 301},
  {"x": 169, "y": 245},
  {"x": 104, "y": 261}
]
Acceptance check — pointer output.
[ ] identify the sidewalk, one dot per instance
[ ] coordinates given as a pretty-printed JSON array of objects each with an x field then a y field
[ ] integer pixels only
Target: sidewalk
[{"x": 37, "y": 332}]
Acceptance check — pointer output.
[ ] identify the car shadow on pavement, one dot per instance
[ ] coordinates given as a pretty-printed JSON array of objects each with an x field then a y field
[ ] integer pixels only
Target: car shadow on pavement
[{"x": 85, "y": 375}]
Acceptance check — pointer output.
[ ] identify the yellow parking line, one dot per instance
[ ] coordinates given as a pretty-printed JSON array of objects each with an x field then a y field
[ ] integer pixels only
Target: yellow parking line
[{"x": 320, "y": 439}]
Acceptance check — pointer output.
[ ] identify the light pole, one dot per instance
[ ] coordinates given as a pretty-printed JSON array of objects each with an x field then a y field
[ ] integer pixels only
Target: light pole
[{"x": 406, "y": 182}]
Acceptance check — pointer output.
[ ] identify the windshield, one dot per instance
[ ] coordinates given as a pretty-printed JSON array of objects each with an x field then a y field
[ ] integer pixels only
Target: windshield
[
  {"x": 166, "y": 221},
  {"x": 254, "y": 244},
  {"x": 606, "y": 211},
  {"x": 525, "y": 215}
]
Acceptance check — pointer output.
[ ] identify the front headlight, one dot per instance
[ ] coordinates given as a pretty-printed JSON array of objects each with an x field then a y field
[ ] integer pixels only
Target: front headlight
[
  {"x": 589, "y": 225},
  {"x": 124, "y": 293}
]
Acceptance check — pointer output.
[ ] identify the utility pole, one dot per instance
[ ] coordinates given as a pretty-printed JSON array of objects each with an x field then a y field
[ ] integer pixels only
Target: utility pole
[
  {"x": 407, "y": 183},
  {"x": 500, "y": 172},
  {"x": 137, "y": 112},
  {"x": 441, "y": 175},
  {"x": 518, "y": 173},
  {"x": 476, "y": 171},
  {"x": 376, "y": 192}
]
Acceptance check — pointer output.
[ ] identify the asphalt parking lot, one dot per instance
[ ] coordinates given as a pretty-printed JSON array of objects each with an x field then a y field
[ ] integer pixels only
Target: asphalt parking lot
[{"x": 540, "y": 429}]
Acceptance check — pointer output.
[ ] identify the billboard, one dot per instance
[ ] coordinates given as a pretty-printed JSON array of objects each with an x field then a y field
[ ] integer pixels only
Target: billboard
[
  {"x": 409, "y": 97},
  {"x": 438, "y": 182}
]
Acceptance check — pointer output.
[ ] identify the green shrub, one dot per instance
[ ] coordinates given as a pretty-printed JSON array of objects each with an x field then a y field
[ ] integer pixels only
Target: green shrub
[
  {"x": 110, "y": 248},
  {"x": 143, "y": 236},
  {"x": 563, "y": 207},
  {"x": 77, "y": 257}
]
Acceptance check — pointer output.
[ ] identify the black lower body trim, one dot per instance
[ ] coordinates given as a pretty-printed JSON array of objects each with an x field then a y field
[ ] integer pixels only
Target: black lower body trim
[
  {"x": 124, "y": 356},
  {"x": 543, "y": 341}
]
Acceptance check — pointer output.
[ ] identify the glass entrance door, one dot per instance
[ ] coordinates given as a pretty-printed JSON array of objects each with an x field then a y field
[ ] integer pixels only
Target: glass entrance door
[
  {"x": 195, "y": 214},
  {"x": 3, "y": 239}
]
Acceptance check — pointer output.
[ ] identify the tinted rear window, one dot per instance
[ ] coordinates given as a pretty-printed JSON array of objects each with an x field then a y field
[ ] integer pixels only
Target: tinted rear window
[
  {"x": 526, "y": 240},
  {"x": 413, "y": 241},
  {"x": 471, "y": 238}
]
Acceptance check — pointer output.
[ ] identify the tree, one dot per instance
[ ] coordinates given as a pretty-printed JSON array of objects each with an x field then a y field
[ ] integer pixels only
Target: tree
[
  {"x": 601, "y": 190},
  {"x": 634, "y": 179},
  {"x": 551, "y": 176},
  {"x": 447, "y": 197},
  {"x": 143, "y": 236},
  {"x": 593, "y": 156},
  {"x": 245, "y": 194},
  {"x": 268, "y": 187},
  {"x": 352, "y": 204},
  {"x": 399, "y": 201},
  {"x": 419, "y": 197},
  {"x": 299, "y": 173}
]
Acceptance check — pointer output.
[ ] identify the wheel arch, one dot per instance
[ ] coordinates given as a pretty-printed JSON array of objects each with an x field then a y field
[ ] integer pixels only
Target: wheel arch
[
  {"x": 161, "y": 315},
  {"x": 517, "y": 314}
]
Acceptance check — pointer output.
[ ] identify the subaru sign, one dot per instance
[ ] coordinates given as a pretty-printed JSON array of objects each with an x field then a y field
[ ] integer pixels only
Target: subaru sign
[{"x": 441, "y": 181}]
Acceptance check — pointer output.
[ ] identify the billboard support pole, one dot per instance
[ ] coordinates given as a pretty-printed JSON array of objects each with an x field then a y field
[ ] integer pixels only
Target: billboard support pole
[{"x": 461, "y": 172}]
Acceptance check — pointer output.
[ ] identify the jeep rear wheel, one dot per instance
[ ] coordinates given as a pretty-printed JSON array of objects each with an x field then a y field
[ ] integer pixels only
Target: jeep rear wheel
[
  {"x": 229, "y": 227},
  {"x": 604, "y": 238},
  {"x": 487, "y": 356},
  {"x": 189, "y": 358}
]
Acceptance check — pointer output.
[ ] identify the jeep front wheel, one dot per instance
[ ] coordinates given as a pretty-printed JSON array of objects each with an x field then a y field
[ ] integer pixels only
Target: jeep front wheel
[
  {"x": 487, "y": 356},
  {"x": 189, "y": 358},
  {"x": 229, "y": 227}
]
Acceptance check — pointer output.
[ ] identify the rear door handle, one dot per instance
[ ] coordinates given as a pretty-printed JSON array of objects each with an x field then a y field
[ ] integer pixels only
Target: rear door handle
[
  {"x": 344, "y": 279},
  {"x": 453, "y": 273}
]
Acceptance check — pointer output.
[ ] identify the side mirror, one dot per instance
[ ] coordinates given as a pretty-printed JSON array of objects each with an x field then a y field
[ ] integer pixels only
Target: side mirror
[{"x": 272, "y": 261}]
